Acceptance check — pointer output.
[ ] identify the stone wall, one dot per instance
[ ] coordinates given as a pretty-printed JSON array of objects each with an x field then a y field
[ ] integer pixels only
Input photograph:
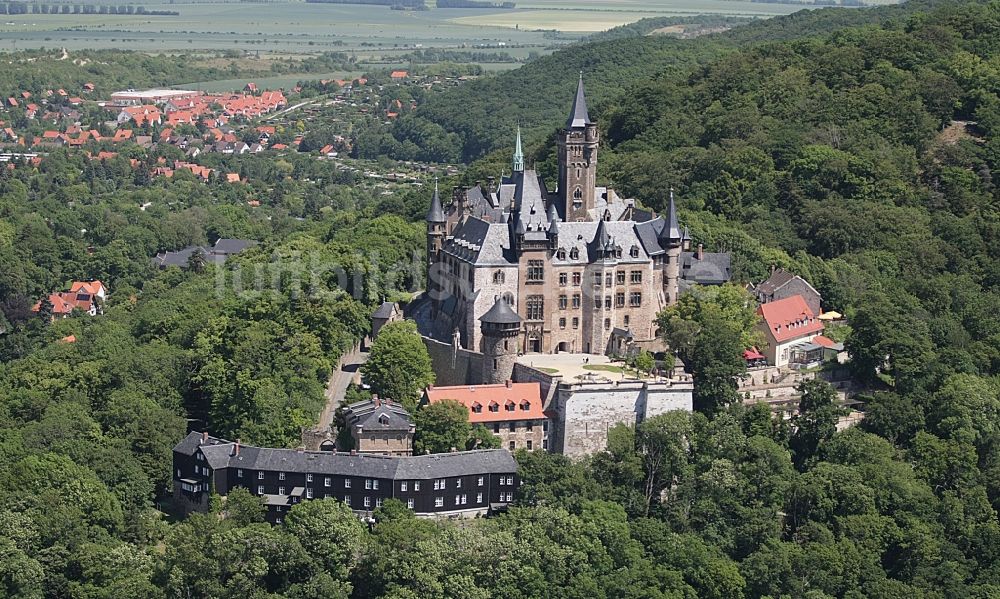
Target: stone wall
[
  {"x": 453, "y": 366},
  {"x": 586, "y": 412}
]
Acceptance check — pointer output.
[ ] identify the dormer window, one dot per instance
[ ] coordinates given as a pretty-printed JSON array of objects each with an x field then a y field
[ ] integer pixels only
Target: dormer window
[
  {"x": 383, "y": 419},
  {"x": 477, "y": 408},
  {"x": 634, "y": 251},
  {"x": 525, "y": 406},
  {"x": 509, "y": 406},
  {"x": 561, "y": 254},
  {"x": 494, "y": 407},
  {"x": 574, "y": 254}
]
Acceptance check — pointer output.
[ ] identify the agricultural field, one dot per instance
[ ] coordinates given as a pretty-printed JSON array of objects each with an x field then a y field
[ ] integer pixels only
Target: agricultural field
[
  {"x": 368, "y": 31},
  {"x": 292, "y": 27}
]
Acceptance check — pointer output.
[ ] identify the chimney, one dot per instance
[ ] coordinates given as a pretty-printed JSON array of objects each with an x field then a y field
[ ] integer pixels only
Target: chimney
[
  {"x": 701, "y": 252},
  {"x": 236, "y": 448},
  {"x": 204, "y": 437},
  {"x": 510, "y": 383}
]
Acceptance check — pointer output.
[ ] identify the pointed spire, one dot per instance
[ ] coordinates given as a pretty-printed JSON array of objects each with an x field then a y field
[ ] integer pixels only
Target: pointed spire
[
  {"x": 578, "y": 116},
  {"x": 518, "y": 153},
  {"x": 553, "y": 220},
  {"x": 671, "y": 231},
  {"x": 601, "y": 238},
  {"x": 436, "y": 213}
]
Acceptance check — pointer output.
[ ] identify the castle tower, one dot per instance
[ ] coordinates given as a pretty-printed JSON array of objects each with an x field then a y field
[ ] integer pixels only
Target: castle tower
[
  {"x": 672, "y": 241},
  {"x": 599, "y": 307},
  {"x": 518, "y": 163},
  {"x": 578, "y": 160},
  {"x": 500, "y": 327},
  {"x": 435, "y": 242}
]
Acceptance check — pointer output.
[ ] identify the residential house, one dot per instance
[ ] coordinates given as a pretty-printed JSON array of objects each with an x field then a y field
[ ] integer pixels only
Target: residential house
[
  {"x": 783, "y": 284},
  {"x": 85, "y": 296},
  {"x": 457, "y": 484},
  {"x": 217, "y": 254},
  {"x": 789, "y": 326},
  {"x": 380, "y": 426},
  {"x": 511, "y": 411}
]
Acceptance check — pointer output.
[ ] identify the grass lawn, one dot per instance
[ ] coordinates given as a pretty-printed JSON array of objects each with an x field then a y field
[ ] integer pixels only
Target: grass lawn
[{"x": 604, "y": 368}]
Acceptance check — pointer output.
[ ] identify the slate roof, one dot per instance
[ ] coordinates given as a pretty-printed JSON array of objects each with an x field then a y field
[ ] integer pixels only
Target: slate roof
[
  {"x": 375, "y": 414},
  {"x": 217, "y": 254},
  {"x": 384, "y": 311},
  {"x": 778, "y": 279},
  {"x": 714, "y": 268},
  {"x": 436, "y": 213},
  {"x": 578, "y": 115},
  {"x": 500, "y": 313},
  {"x": 218, "y": 453},
  {"x": 232, "y": 246}
]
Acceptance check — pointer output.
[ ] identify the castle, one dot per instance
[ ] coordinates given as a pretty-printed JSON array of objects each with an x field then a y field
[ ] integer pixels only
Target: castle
[{"x": 514, "y": 268}]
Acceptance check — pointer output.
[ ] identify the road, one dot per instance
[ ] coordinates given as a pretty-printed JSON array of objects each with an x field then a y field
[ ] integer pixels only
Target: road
[{"x": 338, "y": 383}]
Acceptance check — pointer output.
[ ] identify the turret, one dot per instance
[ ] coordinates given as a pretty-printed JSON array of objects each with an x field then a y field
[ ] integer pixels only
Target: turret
[
  {"x": 578, "y": 144},
  {"x": 672, "y": 241},
  {"x": 435, "y": 240},
  {"x": 500, "y": 327}
]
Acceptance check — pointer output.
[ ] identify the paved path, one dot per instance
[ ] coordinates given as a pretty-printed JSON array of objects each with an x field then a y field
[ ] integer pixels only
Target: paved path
[{"x": 339, "y": 381}]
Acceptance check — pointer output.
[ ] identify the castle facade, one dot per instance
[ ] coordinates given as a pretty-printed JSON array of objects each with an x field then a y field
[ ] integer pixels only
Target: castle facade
[{"x": 578, "y": 269}]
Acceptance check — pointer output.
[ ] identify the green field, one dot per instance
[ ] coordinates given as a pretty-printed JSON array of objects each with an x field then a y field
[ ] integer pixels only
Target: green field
[{"x": 367, "y": 31}]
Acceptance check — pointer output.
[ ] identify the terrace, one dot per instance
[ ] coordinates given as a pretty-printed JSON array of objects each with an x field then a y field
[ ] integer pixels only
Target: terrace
[{"x": 584, "y": 368}]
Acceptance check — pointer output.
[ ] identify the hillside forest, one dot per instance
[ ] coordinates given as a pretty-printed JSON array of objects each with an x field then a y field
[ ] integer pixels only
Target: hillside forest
[{"x": 854, "y": 147}]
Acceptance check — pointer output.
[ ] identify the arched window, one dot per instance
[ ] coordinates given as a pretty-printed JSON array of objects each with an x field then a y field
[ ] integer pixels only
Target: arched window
[
  {"x": 561, "y": 254},
  {"x": 574, "y": 254},
  {"x": 498, "y": 277},
  {"x": 509, "y": 298},
  {"x": 578, "y": 194}
]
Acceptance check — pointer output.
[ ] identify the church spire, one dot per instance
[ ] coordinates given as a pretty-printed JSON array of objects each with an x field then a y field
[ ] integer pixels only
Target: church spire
[
  {"x": 518, "y": 153},
  {"x": 578, "y": 115}
]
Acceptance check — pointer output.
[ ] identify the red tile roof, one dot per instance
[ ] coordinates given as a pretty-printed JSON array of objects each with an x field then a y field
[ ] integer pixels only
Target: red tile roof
[
  {"x": 513, "y": 401},
  {"x": 824, "y": 341},
  {"x": 789, "y": 318},
  {"x": 91, "y": 287}
]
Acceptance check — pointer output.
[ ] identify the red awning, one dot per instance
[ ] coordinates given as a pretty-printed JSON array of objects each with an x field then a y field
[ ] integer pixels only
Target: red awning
[{"x": 752, "y": 354}]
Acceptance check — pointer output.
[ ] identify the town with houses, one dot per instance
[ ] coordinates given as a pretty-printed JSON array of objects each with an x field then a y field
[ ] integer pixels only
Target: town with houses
[{"x": 536, "y": 296}]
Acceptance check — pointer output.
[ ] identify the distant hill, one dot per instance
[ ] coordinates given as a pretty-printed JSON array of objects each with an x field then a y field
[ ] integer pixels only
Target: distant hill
[{"x": 484, "y": 113}]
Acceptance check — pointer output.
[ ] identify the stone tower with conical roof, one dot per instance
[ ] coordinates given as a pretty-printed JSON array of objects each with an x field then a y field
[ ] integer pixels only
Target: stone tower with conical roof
[
  {"x": 435, "y": 241},
  {"x": 578, "y": 143},
  {"x": 500, "y": 327},
  {"x": 672, "y": 241}
]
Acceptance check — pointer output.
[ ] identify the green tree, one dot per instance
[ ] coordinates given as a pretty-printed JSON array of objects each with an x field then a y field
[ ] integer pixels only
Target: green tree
[
  {"x": 816, "y": 421},
  {"x": 644, "y": 362},
  {"x": 328, "y": 529},
  {"x": 441, "y": 427},
  {"x": 243, "y": 508},
  {"x": 398, "y": 366}
]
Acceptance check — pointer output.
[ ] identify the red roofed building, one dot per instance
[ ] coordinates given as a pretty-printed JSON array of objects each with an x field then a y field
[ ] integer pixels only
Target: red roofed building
[
  {"x": 85, "y": 296},
  {"x": 399, "y": 75},
  {"x": 512, "y": 411},
  {"x": 140, "y": 114},
  {"x": 786, "y": 323}
]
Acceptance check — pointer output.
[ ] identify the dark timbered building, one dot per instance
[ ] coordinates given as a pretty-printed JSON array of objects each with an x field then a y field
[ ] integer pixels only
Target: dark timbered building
[{"x": 464, "y": 483}]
